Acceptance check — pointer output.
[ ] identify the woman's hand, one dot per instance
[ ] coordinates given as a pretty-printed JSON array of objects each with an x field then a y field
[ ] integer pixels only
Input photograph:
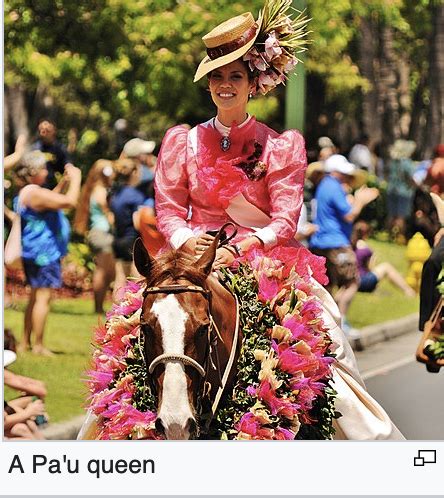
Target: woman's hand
[
  {"x": 35, "y": 408},
  {"x": 203, "y": 242},
  {"x": 224, "y": 257}
]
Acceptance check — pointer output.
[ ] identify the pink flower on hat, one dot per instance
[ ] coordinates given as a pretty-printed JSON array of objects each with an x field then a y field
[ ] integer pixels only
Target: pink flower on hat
[{"x": 272, "y": 47}]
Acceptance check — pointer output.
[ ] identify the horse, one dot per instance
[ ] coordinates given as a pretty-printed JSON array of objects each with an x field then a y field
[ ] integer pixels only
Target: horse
[{"x": 190, "y": 327}]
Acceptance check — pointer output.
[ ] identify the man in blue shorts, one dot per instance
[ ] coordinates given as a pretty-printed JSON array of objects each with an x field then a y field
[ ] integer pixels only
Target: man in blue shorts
[{"x": 336, "y": 210}]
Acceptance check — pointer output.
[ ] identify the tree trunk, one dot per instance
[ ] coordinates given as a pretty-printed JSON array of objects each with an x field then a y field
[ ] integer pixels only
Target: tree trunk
[
  {"x": 15, "y": 98},
  {"x": 371, "y": 118},
  {"x": 388, "y": 88},
  {"x": 418, "y": 121},
  {"x": 405, "y": 100},
  {"x": 435, "y": 125}
]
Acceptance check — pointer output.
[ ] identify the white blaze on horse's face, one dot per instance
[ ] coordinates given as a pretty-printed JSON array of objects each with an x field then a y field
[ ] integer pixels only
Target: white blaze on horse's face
[{"x": 175, "y": 410}]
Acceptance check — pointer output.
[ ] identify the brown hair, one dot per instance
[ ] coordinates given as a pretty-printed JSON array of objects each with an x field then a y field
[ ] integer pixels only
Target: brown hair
[
  {"x": 361, "y": 230},
  {"x": 251, "y": 74},
  {"x": 95, "y": 174}
]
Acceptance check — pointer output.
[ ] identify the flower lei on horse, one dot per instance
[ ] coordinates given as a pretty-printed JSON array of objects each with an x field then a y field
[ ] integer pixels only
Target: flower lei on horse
[{"x": 282, "y": 387}]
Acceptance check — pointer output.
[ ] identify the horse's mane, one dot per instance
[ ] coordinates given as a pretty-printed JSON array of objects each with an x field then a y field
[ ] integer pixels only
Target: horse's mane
[{"x": 175, "y": 265}]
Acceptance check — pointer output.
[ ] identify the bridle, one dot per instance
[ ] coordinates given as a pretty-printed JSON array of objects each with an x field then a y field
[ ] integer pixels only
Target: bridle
[
  {"x": 183, "y": 358},
  {"x": 213, "y": 336}
]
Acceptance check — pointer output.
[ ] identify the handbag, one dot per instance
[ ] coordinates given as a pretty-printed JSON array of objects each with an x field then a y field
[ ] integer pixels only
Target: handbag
[
  {"x": 432, "y": 331},
  {"x": 13, "y": 247}
]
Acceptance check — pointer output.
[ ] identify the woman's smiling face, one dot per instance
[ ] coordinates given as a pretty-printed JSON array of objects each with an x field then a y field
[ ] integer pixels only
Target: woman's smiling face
[{"x": 230, "y": 86}]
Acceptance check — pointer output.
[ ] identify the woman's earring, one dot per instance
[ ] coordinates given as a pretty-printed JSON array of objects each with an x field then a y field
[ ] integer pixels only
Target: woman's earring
[{"x": 250, "y": 95}]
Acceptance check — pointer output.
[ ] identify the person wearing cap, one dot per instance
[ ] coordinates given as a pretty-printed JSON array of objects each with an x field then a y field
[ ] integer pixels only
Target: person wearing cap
[
  {"x": 124, "y": 201},
  {"x": 233, "y": 168},
  {"x": 95, "y": 220},
  {"x": 142, "y": 151},
  {"x": 335, "y": 215}
]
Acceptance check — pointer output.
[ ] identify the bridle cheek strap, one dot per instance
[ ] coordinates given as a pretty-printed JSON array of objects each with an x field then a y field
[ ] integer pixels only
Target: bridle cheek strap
[{"x": 181, "y": 358}]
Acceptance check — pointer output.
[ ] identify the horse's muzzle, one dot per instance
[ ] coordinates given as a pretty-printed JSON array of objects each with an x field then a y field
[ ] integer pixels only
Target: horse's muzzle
[{"x": 177, "y": 432}]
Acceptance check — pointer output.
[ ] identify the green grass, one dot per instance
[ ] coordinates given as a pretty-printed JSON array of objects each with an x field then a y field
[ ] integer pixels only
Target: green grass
[
  {"x": 386, "y": 302},
  {"x": 71, "y": 322},
  {"x": 69, "y": 334}
]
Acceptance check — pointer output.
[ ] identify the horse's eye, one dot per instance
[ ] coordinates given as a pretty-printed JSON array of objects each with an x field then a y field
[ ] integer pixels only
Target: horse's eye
[
  {"x": 202, "y": 330},
  {"x": 146, "y": 328}
]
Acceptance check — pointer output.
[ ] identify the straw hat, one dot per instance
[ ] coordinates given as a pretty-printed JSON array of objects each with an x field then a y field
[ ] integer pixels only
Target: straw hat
[
  {"x": 228, "y": 42},
  {"x": 137, "y": 146}
]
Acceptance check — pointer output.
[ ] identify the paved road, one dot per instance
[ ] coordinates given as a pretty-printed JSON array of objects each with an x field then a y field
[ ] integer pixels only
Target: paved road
[{"x": 413, "y": 397}]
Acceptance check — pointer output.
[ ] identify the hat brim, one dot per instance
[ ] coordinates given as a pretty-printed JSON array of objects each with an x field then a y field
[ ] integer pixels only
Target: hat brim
[
  {"x": 359, "y": 178},
  {"x": 8, "y": 357},
  {"x": 439, "y": 204},
  {"x": 207, "y": 65},
  {"x": 149, "y": 147}
]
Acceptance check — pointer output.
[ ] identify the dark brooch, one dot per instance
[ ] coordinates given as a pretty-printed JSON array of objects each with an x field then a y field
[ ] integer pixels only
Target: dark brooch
[
  {"x": 225, "y": 144},
  {"x": 252, "y": 167}
]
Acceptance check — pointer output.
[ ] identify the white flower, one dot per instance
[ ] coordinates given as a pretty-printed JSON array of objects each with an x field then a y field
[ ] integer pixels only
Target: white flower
[{"x": 272, "y": 47}]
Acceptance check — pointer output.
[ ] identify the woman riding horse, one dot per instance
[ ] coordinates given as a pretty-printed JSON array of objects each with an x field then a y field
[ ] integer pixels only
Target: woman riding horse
[{"x": 233, "y": 168}]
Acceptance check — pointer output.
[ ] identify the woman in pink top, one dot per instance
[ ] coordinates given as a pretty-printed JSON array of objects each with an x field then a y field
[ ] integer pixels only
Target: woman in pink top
[{"x": 233, "y": 168}]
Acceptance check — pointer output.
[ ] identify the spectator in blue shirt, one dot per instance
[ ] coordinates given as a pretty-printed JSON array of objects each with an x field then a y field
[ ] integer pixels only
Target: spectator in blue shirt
[
  {"x": 124, "y": 201},
  {"x": 335, "y": 212},
  {"x": 55, "y": 153}
]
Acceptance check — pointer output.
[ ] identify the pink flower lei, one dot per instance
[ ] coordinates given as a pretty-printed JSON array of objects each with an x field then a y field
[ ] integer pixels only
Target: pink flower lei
[{"x": 300, "y": 348}]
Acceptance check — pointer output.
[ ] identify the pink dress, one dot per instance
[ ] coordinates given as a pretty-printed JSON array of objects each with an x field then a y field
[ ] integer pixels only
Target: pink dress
[
  {"x": 196, "y": 182},
  {"x": 197, "y": 185}
]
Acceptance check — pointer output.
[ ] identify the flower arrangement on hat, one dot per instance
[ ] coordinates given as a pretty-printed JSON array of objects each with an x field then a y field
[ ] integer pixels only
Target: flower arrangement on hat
[{"x": 270, "y": 45}]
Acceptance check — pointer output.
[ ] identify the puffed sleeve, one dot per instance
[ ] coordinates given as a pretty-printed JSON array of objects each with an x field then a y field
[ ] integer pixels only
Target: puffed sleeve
[
  {"x": 285, "y": 182},
  {"x": 171, "y": 187}
]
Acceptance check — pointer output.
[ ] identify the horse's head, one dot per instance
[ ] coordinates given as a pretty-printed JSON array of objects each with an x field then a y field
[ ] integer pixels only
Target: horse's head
[{"x": 175, "y": 321}]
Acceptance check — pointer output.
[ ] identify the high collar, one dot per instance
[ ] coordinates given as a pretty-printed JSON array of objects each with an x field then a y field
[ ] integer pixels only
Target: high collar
[{"x": 225, "y": 130}]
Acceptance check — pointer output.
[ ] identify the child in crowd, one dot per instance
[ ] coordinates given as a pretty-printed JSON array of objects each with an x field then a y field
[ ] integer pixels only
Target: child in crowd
[{"x": 371, "y": 275}]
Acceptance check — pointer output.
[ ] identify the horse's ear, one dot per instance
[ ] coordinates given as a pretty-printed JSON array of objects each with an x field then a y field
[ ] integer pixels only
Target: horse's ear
[
  {"x": 205, "y": 262},
  {"x": 142, "y": 259}
]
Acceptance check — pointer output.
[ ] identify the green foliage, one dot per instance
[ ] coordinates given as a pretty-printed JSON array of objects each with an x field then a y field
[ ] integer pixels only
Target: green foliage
[
  {"x": 100, "y": 60},
  {"x": 80, "y": 254}
]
